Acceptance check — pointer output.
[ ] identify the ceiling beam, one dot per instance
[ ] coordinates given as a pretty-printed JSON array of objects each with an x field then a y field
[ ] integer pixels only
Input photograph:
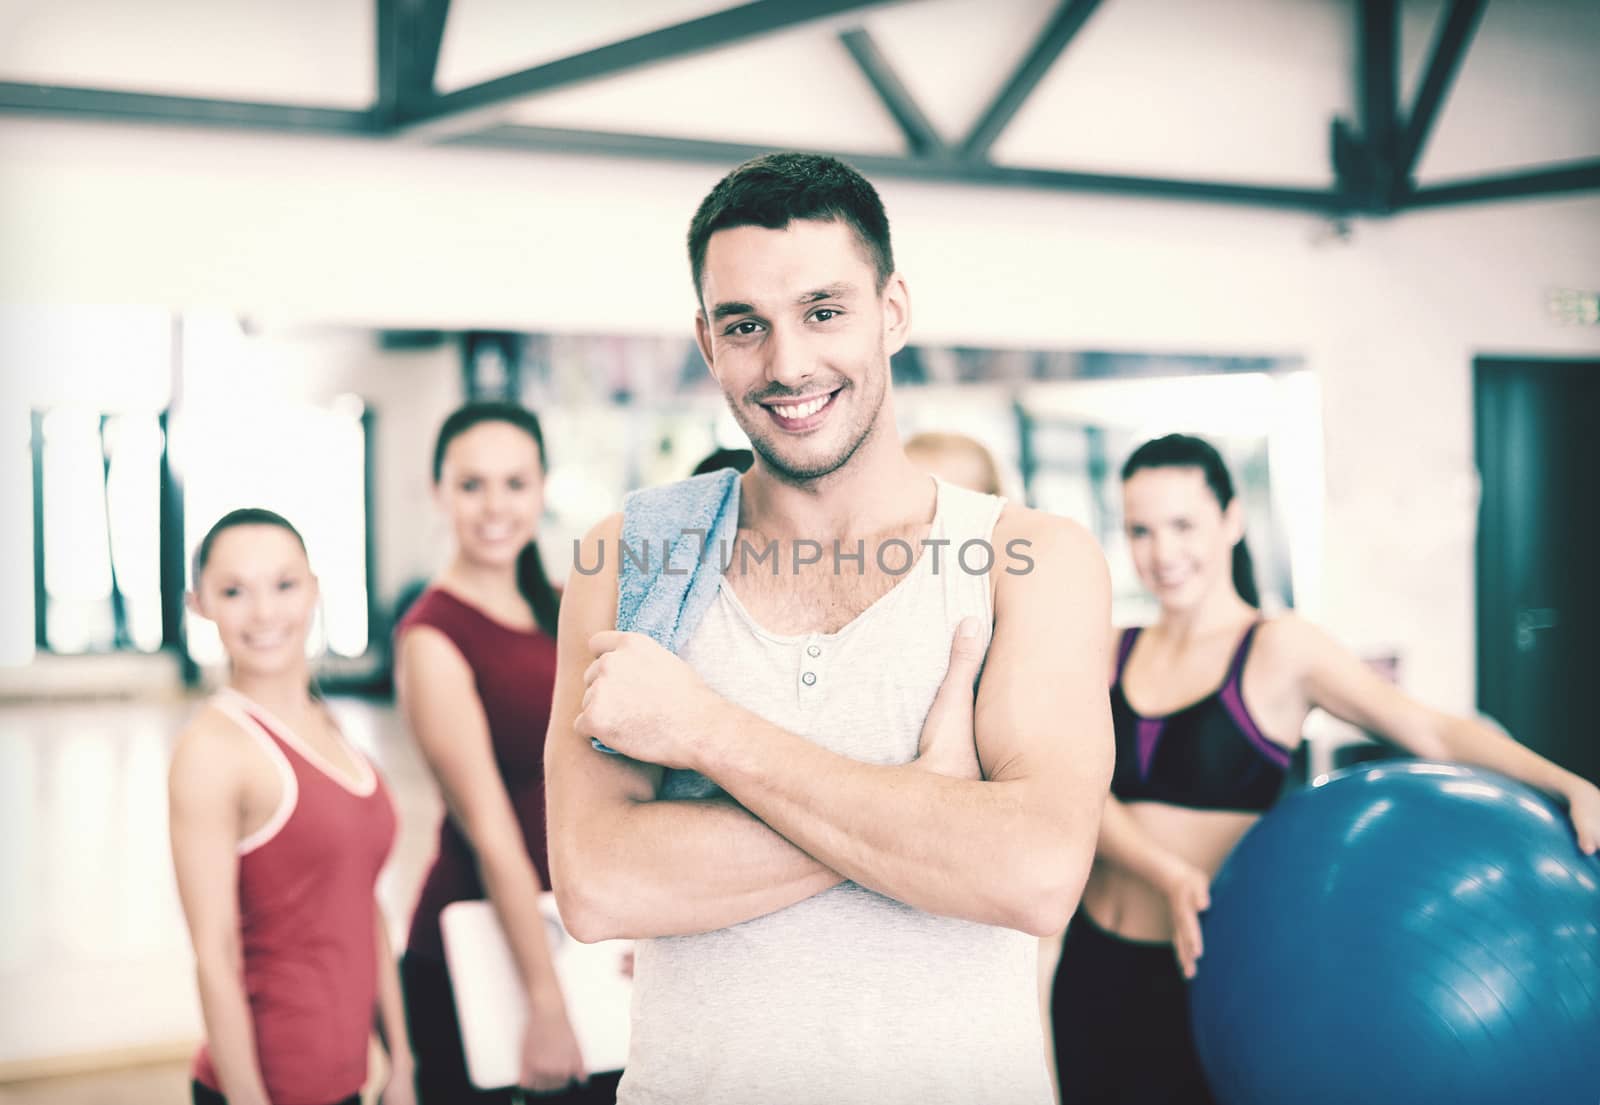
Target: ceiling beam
[
  {"x": 409, "y": 35},
  {"x": 143, "y": 107},
  {"x": 1554, "y": 180},
  {"x": 1449, "y": 48},
  {"x": 480, "y": 105},
  {"x": 1378, "y": 27},
  {"x": 1379, "y": 30},
  {"x": 1066, "y": 23},
  {"x": 951, "y": 171},
  {"x": 922, "y": 138}
]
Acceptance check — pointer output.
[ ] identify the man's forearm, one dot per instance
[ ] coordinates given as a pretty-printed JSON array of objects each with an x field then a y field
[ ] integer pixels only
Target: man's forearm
[
  {"x": 673, "y": 867},
  {"x": 985, "y": 851}
]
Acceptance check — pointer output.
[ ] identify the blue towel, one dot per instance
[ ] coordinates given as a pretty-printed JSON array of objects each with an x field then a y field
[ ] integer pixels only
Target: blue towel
[{"x": 674, "y": 541}]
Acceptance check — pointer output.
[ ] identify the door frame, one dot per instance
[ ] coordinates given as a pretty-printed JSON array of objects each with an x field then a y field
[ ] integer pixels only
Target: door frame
[{"x": 1496, "y": 430}]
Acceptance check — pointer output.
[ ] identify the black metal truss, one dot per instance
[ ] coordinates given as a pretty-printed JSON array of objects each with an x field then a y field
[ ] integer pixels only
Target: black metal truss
[
  {"x": 947, "y": 170},
  {"x": 467, "y": 108},
  {"x": 1064, "y": 25},
  {"x": 410, "y": 33},
  {"x": 1374, "y": 158},
  {"x": 1575, "y": 176},
  {"x": 1449, "y": 47},
  {"x": 922, "y": 137},
  {"x": 102, "y": 104}
]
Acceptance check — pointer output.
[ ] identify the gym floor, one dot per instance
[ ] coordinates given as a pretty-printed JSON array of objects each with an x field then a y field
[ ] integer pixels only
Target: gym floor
[{"x": 83, "y": 819}]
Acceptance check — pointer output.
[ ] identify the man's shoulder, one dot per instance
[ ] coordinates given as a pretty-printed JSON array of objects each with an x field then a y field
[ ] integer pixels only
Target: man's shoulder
[
  {"x": 1063, "y": 541},
  {"x": 1050, "y": 560},
  {"x": 606, "y": 529},
  {"x": 593, "y": 582}
]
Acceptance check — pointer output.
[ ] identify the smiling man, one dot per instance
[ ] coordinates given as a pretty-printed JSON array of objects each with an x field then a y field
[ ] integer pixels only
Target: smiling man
[{"x": 835, "y": 852}]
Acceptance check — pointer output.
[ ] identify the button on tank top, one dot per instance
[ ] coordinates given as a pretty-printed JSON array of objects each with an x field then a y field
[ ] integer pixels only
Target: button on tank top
[{"x": 849, "y": 996}]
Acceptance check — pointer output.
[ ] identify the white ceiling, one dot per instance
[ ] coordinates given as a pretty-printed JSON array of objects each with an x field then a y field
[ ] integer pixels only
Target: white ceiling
[
  {"x": 1228, "y": 90},
  {"x": 1527, "y": 94},
  {"x": 1232, "y": 90},
  {"x": 484, "y": 39},
  {"x": 955, "y": 55},
  {"x": 303, "y": 52},
  {"x": 797, "y": 88}
]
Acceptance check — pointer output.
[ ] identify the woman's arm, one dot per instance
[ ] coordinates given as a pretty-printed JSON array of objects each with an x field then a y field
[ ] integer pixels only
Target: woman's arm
[
  {"x": 1337, "y": 681},
  {"x": 390, "y": 1020},
  {"x": 1125, "y": 844},
  {"x": 440, "y": 700},
  {"x": 205, "y": 790}
]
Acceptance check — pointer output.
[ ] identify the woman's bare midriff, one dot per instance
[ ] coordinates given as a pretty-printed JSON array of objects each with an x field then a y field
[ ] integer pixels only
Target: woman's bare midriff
[{"x": 1125, "y": 904}]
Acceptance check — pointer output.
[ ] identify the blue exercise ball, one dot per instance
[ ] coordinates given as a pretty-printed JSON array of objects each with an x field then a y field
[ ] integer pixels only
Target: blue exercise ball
[{"x": 1404, "y": 932}]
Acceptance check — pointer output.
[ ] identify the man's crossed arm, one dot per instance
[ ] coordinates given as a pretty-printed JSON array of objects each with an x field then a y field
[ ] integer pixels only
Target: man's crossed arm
[{"x": 1010, "y": 845}]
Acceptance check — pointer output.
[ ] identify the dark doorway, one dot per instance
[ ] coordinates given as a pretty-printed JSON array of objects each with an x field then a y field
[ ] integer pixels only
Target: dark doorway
[{"x": 1538, "y": 452}]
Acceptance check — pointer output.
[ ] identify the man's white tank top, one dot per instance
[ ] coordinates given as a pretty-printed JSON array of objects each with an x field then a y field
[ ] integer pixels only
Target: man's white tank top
[{"x": 848, "y": 997}]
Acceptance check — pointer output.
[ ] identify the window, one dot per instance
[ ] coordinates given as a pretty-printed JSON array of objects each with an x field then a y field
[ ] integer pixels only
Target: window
[
  {"x": 99, "y": 495},
  {"x": 305, "y": 461},
  {"x": 77, "y": 547},
  {"x": 80, "y": 487},
  {"x": 134, "y": 446},
  {"x": 16, "y": 536}
]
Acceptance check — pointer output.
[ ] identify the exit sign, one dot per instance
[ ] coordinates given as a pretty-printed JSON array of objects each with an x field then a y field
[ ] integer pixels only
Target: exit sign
[{"x": 1572, "y": 307}]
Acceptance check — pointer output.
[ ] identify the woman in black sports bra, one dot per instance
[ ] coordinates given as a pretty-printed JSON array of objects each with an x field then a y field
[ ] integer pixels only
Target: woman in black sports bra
[{"x": 1207, "y": 705}]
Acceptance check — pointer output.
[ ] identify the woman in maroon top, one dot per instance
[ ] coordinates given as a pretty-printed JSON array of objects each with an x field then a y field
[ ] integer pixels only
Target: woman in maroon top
[
  {"x": 475, "y": 668},
  {"x": 279, "y": 829}
]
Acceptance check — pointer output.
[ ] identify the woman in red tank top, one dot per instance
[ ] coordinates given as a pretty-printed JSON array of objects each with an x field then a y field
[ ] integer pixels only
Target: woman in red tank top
[
  {"x": 279, "y": 829},
  {"x": 475, "y": 669}
]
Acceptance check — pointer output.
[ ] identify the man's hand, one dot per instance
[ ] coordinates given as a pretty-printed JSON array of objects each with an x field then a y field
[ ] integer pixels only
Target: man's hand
[
  {"x": 948, "y": 746},
  {"x": 643, "y": 702}
]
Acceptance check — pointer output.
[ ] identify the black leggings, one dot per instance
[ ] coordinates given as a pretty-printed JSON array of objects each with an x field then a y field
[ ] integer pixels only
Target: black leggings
[
  {"x": 205, "y": 1095},
  {"x": 1121, "y": 1012},
  {"x": 441, "y": 1062}
]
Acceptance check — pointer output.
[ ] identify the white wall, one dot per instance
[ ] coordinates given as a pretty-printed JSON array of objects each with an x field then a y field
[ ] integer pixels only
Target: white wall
[
  {"x": 409, "y": 391},
  {"x": 294, "y": 229}
]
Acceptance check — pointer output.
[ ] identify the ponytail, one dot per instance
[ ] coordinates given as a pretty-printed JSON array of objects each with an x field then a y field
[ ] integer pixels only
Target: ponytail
[
  {"x": 1244, "y": 575},
  {"x": 536, "y": 588}
]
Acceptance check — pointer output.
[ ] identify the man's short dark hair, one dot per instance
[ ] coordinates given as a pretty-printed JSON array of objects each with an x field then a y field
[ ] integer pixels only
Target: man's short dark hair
[{"x": 775, "y": 189}]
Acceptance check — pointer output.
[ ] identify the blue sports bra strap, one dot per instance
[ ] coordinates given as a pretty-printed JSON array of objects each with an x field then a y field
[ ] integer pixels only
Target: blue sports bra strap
[{"x": 1242, "y": 653}]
